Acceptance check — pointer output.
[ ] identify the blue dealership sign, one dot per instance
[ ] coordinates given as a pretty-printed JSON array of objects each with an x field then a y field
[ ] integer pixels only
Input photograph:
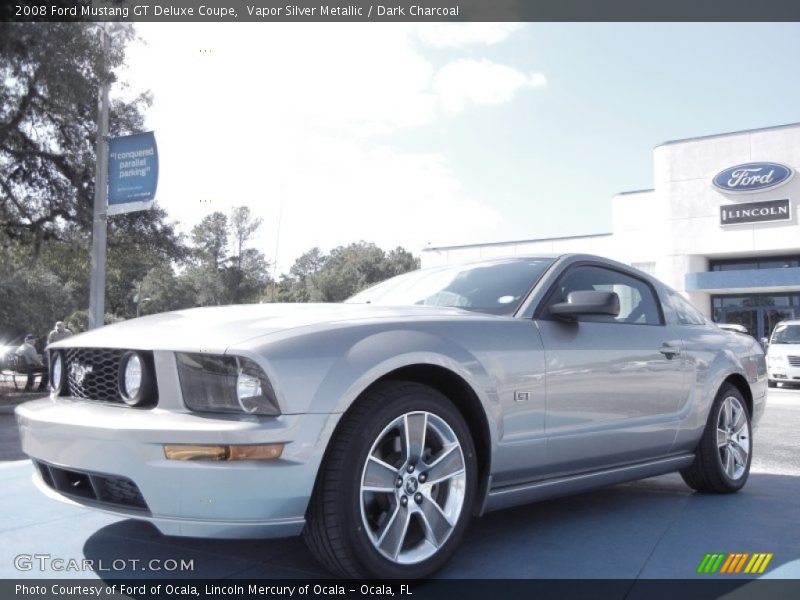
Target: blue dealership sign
[
  {"x": 752, "y": 177},
  {"x": 132, "y": 172}
]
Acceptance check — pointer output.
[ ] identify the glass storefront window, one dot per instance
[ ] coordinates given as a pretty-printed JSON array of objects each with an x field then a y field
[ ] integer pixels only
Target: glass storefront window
[
  {"x": 732, "y": 301},
  {"x": 734, "y": 266},
  {"x": 759, "y": 313},
  {"x": 781, "y": 300},
  {"x": 743, "y": 264},
  {"x": 778, "y": 263}
]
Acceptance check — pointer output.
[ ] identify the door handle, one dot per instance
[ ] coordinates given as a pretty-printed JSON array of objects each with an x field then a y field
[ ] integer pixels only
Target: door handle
[{"x": 669, "y": 351}]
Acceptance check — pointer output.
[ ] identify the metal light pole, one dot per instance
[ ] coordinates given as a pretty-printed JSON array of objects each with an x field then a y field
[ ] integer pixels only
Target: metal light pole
[{"x": 97, "y": 287}]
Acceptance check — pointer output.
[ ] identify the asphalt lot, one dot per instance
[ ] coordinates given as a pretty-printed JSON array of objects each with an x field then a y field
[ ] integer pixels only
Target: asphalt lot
[{"x": 651, "y": 529}]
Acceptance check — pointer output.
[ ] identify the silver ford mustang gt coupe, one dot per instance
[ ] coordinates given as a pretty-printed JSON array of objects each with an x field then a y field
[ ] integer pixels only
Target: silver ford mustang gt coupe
[{"x": 379, "y": 427}]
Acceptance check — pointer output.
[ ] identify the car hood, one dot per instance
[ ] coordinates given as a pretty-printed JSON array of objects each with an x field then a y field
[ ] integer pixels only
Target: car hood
[
  {"x": 783, "y": 350},
  {"x": 214, "y": 329}
]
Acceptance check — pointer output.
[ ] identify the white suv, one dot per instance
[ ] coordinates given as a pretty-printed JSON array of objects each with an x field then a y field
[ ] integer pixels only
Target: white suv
[{"x": 783, "y": 354}]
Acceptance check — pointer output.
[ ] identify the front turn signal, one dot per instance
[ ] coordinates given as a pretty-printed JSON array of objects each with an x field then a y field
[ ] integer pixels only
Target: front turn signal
[{"x": 219, "y": 452}]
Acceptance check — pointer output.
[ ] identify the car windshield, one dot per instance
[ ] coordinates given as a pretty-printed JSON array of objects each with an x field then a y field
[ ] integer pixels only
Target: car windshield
[
  {"x": 786, "y": 334},
  {"x": 497, "y": 287}
]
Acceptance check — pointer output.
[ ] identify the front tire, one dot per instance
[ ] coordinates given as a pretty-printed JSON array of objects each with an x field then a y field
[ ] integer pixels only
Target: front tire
[
  {"x": 396, "y": 489},
  {"x": 723, "y": 457}
]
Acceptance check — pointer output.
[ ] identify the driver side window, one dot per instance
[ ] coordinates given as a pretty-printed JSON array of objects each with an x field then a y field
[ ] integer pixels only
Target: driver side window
[{"x": 637, "y": 301}]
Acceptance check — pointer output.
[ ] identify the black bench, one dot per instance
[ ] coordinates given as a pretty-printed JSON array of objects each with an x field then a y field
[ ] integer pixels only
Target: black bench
[{"x": 14, "y": 365}]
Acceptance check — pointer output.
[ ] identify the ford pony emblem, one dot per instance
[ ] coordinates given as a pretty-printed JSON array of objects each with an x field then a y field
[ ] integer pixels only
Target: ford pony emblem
[
  {"x": 79, "y": 372},
  {"x": 752, "y": 177}
]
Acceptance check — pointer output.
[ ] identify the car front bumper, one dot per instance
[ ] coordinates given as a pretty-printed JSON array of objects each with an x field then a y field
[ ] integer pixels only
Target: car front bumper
[
  {"x": 784, "y": 372},
  {"x": 223, "y": 499}
]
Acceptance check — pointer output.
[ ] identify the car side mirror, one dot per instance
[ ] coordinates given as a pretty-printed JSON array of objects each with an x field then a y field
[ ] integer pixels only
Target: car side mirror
[
  {"x": 765, "y": 341},
  {"x": 589, "y": 302}
]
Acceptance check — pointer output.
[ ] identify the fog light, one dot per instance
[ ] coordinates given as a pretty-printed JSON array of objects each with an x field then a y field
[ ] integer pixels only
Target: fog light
[
  {"x": 57, "y": 373},
  {"x": 136, "y": 380},
  {"x": 217, "y": 452}
]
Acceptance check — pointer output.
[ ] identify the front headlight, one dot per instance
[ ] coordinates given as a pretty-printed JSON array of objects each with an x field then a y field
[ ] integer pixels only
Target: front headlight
[
  {"x": 775, "y": 360},
  {"x": 214, "y": 383}
]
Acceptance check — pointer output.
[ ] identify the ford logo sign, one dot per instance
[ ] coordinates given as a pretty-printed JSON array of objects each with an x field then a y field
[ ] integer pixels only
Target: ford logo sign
[{"x": 752, "y": 177}]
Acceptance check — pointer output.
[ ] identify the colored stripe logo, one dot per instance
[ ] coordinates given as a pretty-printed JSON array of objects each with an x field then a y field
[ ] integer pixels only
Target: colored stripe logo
[{"x": 735, "y": 562}]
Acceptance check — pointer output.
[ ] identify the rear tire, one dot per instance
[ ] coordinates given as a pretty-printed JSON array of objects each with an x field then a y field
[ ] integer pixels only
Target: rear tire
[
  {"x": 396, "y": 488},
  {"x": 723, "y": 457}
]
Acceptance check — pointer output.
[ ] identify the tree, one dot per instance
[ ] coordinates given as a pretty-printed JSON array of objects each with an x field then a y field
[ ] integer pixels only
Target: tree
[
  {"x": 315, "y": 277},
  {"x": 242, "y": 227},
  {"x": 308, "y": 264},
  {"x": 400, "y": 261},
  {"x": 210, "y": 238},
  {"x": 51, "y": 74},
  {"x": 218, "y": 277},
  {"x": 31, "y": 298},
  {"x": 348, "y": 270},
  {"x": 207, "y": 283},
  {"x": 294, "y": 287},
  {"x": 161, "y": 291},
  {"x": 247, "y": 272}
]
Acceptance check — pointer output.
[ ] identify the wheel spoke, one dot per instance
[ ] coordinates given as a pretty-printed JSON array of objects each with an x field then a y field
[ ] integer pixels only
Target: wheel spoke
[
  {"x": 739, "y": 454},
  {"x": 729, "y": 463},
  {"x": 727, "y": 410},
  {"x": 379, "y": 476},
  {"x": 722, "y": 437},
  {"x": 394, "y": 533},
  {"x": 415, "y": 426},
  {"x": 435, "y": 524},
  {"x": 447, "y": 465},
  {"x": 739, "y": 420}
]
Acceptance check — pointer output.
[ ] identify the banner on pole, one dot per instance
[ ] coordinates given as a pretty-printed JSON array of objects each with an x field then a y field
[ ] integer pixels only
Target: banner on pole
[{"x": 132, "y": 172}]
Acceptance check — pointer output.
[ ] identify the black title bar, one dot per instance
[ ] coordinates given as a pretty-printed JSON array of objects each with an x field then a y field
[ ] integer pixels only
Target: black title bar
[
  {"x": 508, "y": 589},
  {"x": 400, "y": 10}
]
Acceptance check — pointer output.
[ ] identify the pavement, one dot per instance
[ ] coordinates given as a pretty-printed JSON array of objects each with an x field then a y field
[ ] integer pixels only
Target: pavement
[
  {"x": 651, "y": 529},
  {"x": 9, "y": 434}
]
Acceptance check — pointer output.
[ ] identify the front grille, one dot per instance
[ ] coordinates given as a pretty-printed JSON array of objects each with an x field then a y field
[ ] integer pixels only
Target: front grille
[
  {"x": 99, "y": 487},
  {"x": 794, "y": 360},
  {"x": 92, "y": 373}
]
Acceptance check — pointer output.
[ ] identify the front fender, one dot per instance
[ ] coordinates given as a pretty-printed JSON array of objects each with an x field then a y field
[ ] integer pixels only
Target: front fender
[
  {"x": 379, "y": 354},
  {"x": 326, "y": 371}
]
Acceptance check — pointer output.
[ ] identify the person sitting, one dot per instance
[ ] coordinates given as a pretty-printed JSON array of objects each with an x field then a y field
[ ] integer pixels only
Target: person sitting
[
  {"x": 59, "y": 333},
  {"x": 31, "y": 363}
]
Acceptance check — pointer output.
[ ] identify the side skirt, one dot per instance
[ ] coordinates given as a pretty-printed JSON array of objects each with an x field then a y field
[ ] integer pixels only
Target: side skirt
[{"x": 525, "y": 493}]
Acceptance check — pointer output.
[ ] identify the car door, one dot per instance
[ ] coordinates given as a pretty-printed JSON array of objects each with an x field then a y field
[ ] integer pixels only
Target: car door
[{"x": 614, "y": 384}]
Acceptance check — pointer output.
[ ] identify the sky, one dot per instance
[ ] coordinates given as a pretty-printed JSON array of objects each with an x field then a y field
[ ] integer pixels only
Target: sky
[{"x": 440, "y": 134}]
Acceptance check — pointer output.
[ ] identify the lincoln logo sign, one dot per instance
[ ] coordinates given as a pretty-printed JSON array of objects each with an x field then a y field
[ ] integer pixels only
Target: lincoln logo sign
[
  {"x": 755, "y": 212},
  {"x": 752, "y": 177}
]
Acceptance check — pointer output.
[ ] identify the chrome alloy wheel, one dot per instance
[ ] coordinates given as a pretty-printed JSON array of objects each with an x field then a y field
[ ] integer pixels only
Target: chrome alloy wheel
[
  {"x": 733, "y": 437},
  {"x": 412, "y": 487}
]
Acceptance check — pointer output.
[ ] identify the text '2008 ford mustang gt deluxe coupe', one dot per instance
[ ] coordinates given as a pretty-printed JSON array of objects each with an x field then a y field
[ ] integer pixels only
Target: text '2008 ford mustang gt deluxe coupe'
[{"x": 377, "y": 428}]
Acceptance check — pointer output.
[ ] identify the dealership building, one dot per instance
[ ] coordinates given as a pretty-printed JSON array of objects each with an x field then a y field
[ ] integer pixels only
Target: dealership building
[{"x": 720, "y": 226}]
